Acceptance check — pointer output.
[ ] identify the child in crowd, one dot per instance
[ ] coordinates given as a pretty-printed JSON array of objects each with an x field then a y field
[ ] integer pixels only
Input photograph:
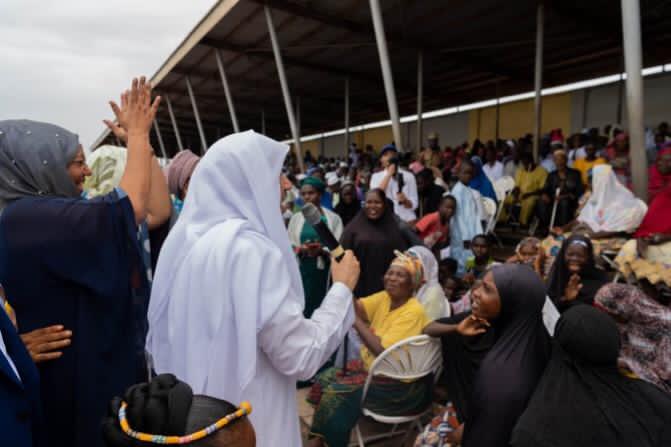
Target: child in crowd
[
  {"x": 529, "y": 252},
  {"x": 477, "y": 265},
  {"x": 434, "y": 228},
  {"x": 458, "y": 300},
  {"x": 447, "y": 268}
]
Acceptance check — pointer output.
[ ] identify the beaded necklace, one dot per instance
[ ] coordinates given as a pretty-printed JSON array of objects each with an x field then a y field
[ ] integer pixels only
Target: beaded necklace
[{"x": 244, "y": 409}]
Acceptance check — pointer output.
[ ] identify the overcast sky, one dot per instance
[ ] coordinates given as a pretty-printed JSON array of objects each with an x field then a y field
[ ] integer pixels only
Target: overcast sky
[{"x": 62, "y": 60}]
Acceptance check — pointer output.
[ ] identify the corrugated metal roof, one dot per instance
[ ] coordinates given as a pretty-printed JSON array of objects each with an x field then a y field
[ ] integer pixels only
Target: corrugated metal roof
[{"x": 472, "y": 50}]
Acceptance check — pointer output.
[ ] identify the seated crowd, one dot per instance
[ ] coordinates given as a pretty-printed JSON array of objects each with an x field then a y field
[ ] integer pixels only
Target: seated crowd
[
  {"x": 540, "y": 349},
  {"x": 592, "y": 228}
]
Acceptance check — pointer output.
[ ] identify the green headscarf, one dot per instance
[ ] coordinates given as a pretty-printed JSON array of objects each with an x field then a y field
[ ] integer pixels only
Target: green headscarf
[{"x": 315, "y": 183}]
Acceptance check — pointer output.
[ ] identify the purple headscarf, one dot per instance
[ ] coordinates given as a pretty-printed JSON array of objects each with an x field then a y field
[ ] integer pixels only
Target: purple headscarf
[{"x": 180, "y": 169}]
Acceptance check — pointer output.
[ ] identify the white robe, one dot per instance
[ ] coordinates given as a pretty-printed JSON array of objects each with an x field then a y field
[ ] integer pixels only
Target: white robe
[
  {"x": 409, "y": 189},
  {"x": 493, "y": 173},
  {"x": 226, "y": 308}
]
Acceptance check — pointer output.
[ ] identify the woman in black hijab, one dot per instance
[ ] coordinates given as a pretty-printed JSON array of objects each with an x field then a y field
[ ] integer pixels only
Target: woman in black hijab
[
  {"x": 495, "y": 356},
  {"x": 373, "y": 235},
  {"x": 574, "y": 277},
  {"x": 584, "y": 400},
  {"x": 349, "y": 205}
]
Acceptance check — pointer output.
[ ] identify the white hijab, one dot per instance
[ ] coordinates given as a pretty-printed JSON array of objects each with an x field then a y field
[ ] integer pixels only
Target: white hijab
[
  {"x": 611, "y": 207},
  {"x": 431, "y": 294},
  {"x": 208, "y": 303}
]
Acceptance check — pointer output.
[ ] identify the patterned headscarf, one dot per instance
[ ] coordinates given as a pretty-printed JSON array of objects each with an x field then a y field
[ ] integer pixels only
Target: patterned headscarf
[
  {"x": 107, "y": 164},
  {"x": 34, "y": 158},
  {"x": 410, "y": 262}
]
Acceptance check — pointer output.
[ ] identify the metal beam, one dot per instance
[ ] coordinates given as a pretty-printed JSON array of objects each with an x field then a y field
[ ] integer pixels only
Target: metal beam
[
  {"x": 538, "y": 80},
  {"x": 364, "y": 29},
  {"x": 174, "y": 123},
  {"x": 199, "y": 124},
  {"x": 631, "y": 36},
  {"x": 292, "y": 61},
  {"x": 420, "y": 99},
  {"x": 227, "y": 91},
  {"x": 346, "y": 117},
  {"x": 285, "y": 87},
  {"x": 385, "y": 64},
  {"x": 159, "y": 137}
]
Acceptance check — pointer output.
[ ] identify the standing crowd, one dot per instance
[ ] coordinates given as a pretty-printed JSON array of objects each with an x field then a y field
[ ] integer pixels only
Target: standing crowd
[{"x": 185, "y": 305}]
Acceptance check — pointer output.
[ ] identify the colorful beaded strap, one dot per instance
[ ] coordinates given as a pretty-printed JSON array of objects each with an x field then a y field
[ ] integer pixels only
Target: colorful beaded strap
[{"x": 245, "y": 409}]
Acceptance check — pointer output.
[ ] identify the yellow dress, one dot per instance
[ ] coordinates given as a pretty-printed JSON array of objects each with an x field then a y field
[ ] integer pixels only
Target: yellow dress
[
  {"x": 584, "y": 166},
  {"x": 391, "y": 326},
  {"x": 527, "y": 182}
]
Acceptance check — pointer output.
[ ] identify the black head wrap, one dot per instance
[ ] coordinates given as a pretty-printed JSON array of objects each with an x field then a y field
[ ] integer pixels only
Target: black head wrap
[
  {"x": 583, "y": 399},
  {"x": 159, "y": 407}
]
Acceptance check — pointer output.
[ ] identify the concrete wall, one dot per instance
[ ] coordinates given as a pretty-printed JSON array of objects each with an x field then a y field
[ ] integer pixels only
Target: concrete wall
[{"x": 567, "y": 111}]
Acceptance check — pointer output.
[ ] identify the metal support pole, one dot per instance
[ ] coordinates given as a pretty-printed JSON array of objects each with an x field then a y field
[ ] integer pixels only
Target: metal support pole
[
  {"x": 585, "y": 106},
  {"x": 346, "y": 118},
  {"x": 227, "y": 91},
  {"x": 285, "y": 87},
  {"x": 298, "y": 116},
  {"x": 631, "y": 35},
  {"x": 199, "y": 124},
  {"x": 538, "y": 79},
  {"x": 174, "y": 123},
  {"x": 263, "y": 121},
  {"x": 620, "y": 97},
  {"x": 498, "y": 111},
  {"x": 382, "y": 50},
  {"x": 420, "y": 99},
  {"x": 160, "y": 139}
]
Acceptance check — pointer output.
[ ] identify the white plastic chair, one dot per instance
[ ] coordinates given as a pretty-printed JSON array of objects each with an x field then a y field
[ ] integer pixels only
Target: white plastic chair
[
  {"x": 490, "y": 208},
  {"x": 410, "y": 359},
  {"x": 503, "y": 187}
]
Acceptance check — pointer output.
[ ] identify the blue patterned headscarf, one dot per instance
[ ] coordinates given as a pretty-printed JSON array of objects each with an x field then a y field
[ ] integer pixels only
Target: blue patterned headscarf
[{"x": 33, "y": 160}]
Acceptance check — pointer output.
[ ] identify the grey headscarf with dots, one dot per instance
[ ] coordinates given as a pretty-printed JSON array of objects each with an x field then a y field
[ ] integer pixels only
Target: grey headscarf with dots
[{"x": 33, "y": 160}]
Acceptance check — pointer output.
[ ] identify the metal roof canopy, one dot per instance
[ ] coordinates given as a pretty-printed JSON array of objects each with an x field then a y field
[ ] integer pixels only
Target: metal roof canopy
[{"x": 472, "y": 50}]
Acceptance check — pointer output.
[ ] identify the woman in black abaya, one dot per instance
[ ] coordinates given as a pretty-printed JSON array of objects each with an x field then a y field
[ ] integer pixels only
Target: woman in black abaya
[
  {"x": 495, "y": 356},
  {"x": 574, "y": 277},
  {"x": 584, "y": 400}
]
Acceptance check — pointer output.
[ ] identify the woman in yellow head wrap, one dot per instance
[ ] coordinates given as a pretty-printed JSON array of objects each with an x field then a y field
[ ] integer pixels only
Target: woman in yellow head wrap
[{"x": 383, "y": 319}]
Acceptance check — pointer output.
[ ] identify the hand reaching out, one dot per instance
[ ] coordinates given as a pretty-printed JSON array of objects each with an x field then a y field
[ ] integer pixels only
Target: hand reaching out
[
  {"x": 472, "y": 325},
  {"x": 117, "y": 130},
  {"x": 44, "y": 344},
  {"x": 573, "y": 287}
]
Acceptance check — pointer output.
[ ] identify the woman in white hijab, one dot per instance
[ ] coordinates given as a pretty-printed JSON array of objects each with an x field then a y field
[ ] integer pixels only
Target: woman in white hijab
[
  {"x": 611, "y": 208},
  {"x": 431, "y": 293},
  {"x": 226, "y": 311}
]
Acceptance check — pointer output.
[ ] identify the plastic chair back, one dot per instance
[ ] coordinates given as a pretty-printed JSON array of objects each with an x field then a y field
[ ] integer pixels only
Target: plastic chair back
[{"x": 409, "y": 359}]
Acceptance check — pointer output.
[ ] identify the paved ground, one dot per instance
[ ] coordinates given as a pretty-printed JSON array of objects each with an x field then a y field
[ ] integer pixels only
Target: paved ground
[{"x": 305, "y": 412}]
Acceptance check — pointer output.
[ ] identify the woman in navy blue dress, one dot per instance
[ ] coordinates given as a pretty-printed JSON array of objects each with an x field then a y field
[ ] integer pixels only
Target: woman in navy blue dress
[{"x": 77, "y": 263}]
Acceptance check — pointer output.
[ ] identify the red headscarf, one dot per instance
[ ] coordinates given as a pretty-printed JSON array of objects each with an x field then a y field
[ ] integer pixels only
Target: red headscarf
[
  {"x": 657, "y": 182},
  {"x": 658, "y": 217}
]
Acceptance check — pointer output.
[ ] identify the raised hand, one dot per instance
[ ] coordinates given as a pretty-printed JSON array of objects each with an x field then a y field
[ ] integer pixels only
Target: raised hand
[
  {"x": 117, "y": 130},
  {"x": 573, "y": 287},
  {"x": 137, "y": 111}
]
